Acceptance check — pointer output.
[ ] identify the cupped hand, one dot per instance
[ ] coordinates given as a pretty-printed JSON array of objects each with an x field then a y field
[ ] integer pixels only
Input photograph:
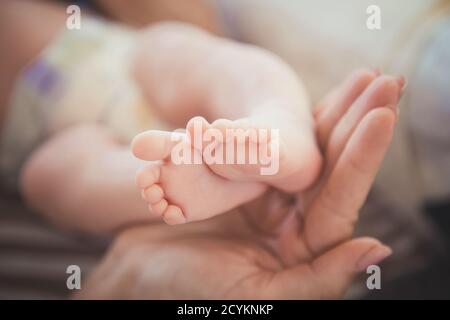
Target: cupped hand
[{"x": 281, "y": 246}]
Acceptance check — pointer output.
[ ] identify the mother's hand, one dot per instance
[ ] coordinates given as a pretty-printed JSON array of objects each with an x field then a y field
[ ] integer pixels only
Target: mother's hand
[{"x": 300, "y": 250}]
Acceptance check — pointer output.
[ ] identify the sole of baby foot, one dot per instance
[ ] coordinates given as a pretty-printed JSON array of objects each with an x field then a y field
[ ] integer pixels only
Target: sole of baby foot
[
  {"x": 186, "y": 192},
  {"x": 284, "y": 156}
]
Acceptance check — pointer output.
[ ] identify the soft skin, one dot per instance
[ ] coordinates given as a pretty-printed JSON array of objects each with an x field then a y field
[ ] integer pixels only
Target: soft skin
[{"x": 278, "y": 253}]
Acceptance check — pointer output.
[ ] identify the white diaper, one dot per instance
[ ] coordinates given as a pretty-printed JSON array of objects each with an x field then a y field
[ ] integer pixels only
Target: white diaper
[{"x": 82, "y": 77}]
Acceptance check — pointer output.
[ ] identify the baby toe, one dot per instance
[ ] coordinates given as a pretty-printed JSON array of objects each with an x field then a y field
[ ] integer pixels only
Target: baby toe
[
  {"x": 153, "y": 194},
  {"x": 159, "y": 207},
  {"x": 147, "y": 176},
  {"x": 197, "y": 122},
  {"x": 155, "y": 144},
  {"x": 174, "y": 215}
]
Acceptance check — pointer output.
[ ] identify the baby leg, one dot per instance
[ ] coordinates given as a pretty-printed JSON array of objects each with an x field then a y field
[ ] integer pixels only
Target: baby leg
[
  {"x": 83, "y": 179},
  {"x": 238, "y": 85}
]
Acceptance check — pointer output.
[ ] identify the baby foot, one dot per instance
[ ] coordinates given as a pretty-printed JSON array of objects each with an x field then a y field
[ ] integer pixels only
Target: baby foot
[
  {"x": 185, "y": 192},
  {"x": 292, "y": 160}
]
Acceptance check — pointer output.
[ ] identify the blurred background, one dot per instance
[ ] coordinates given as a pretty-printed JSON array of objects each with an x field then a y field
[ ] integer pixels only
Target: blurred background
[{"x": 323, "y": 40}]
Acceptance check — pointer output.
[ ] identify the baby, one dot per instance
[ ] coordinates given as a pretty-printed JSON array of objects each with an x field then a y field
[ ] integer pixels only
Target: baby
[
  {"x": 251, "y": 126},
  {"x": 80, "y": 96},
  {"x": 84, "y": 94},
  {"x": 258, "y": 109}
]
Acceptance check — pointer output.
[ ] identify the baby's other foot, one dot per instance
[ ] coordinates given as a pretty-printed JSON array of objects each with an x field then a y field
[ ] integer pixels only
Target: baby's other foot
[
  {"x": 184, "y": 192},
  {"x": 286, "y": 151}
]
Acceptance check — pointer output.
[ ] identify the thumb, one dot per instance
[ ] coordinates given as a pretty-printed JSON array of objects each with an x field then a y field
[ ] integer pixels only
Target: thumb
[
  {"x": 329, "y": 275},
  {"x": 336, "y": 268}
]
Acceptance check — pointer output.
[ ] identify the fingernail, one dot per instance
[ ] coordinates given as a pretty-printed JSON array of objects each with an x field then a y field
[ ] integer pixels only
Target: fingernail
[
  {"x": 376, "y": 71},
  {"x": 396, "y": 109},
  {"x": 373, "y": 257},
  {"x": 405, "y": 85},
  {"x": 402, "y": 83}
]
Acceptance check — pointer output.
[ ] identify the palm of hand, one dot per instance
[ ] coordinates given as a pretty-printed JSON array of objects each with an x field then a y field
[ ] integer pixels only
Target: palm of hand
[{"x": 271, "y": 248}]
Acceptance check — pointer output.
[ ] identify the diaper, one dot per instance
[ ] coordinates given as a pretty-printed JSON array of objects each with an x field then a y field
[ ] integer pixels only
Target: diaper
[{"x": 82, "y": 77}]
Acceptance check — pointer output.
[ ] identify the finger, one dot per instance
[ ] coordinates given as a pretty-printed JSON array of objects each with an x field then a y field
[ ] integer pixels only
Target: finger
[
  {"x": 339, "y": 100},
  {"x": 329, "y": 275},
  {"x": 333, "y": 213},
  {"x": 336, "y": 268},
  {"x": 325, "y": 102},
  {"x": 383, "y": 91}
]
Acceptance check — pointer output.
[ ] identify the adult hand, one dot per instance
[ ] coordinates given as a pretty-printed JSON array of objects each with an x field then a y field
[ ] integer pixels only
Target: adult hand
[{"x": 300, "y": 250}]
